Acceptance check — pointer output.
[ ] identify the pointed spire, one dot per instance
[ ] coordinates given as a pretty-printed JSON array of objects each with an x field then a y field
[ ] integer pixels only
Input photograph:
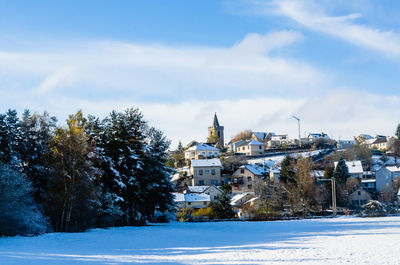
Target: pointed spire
[{"x": 216, "y": 123}]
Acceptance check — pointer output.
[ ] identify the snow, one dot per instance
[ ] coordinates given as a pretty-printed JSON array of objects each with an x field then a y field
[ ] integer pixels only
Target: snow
[
  {"x": 215, "y": 162},
  {"x": 320, "y": 241},
  {"x": 355, "y": 167},
  {"x": 197, "y": 197}
]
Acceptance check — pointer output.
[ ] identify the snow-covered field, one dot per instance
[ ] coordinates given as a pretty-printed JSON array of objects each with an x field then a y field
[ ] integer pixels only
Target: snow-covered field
[{"x": 322, "y": 241}]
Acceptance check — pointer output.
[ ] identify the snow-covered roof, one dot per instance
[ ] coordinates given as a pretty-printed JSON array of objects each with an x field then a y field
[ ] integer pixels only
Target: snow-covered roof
[
  {"x": 197, "y": 189},
  {"x": 179, "y": 197},
  {"x": 318, "y": 173},
  {"x": 368, "y": 180},
  {"x": 254, "y": 142},
  {"x": 260, "y": 135},
  {"x": 318, "y": 135},
  {"x": 236, "y": 198},
  {"x": 393, "y": 169},
  {"x": 197, "y": 197},
  {"x": 366, "y": 136},
  {"x": 256, "y": 170},
  {"x": 214, "y": 162},
  {"x": 203, "y": 147},
  {"x": 252, "y": 199},
  {"x": 355, "y": 167}
]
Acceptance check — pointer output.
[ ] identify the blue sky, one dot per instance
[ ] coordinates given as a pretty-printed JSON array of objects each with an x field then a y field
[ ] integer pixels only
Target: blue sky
[{"x": 256, "y": 63}]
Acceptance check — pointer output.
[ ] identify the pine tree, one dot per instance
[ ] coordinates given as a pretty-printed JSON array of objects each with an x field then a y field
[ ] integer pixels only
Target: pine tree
[
  {"x": 37, "y": 132},
  {"x": 398, "y": 131},
  {"x": 18, "y": 212},
  {"x": 222, "y": 208},
  {"x": 287, "y": 171},
  {"x": 155, "y": 181},
  {"x": 341, "y": 173},
  {"x": 10, "y": 138}
]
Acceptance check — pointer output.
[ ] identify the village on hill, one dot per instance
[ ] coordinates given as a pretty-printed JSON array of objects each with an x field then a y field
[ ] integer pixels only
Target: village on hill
[{"x": 264, "y": 175}]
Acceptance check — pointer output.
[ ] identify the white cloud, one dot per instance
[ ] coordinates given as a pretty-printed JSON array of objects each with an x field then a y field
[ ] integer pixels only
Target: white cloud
[
  {"x": 313, "y": 16},
  {"x": 147, "y": 71}
]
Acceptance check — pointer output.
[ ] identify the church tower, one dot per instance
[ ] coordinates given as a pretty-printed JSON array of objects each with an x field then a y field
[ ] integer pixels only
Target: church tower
[{"x": 216, "y": 132}]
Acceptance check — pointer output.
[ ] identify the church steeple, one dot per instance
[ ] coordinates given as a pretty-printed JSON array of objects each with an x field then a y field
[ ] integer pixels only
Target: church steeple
[
  {"x": 216, "y": 132},
  {"x": 216, "y": 123}
]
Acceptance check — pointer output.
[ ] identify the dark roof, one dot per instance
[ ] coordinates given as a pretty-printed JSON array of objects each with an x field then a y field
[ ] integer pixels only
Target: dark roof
[
  {"x": 380, "y": 140},
  {"x": 216, "y": 123}
]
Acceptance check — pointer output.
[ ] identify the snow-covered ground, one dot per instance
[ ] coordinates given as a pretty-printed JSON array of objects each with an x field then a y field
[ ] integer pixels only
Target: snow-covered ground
[{"x": 322, "y": 241}]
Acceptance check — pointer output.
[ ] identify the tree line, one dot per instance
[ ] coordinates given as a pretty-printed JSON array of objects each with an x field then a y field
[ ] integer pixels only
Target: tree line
[{"x": 88, "y": 173}]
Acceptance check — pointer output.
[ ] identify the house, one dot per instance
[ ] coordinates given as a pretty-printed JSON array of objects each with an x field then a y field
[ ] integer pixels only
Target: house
[
  {"x": 251, "y": 148},
  {"x": 247, "y": 209},
  {"x": 385, "y": 176},
  {"x": 181, "y": 177},
  {"x": 380, "y": 143},
  {"x": 246, "y": 178},
  {"x": 316, "y": 136},
  {"x": 358, "y": 197},
  {"x": 345, "y": 144},
  {"x": 259, "y": 136},
  {"x": 277, "y": 140},
  {"x": 233, "y": 146},
  {"x": 191, "y": 200},
  {"x": 369, "y": 184},
  {"x": 211, "y": 190},
  {"x": 206, "y": 172},
  {"x": 355, "y": 168},
  {"x": 238, "y": 199},
  {"x": 363, "y": 137},
  {"x": 274, "y": 174},
  {"x": 201, "y": 151}
]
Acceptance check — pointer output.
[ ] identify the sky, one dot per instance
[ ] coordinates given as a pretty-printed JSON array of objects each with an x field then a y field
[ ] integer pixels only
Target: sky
[{"x": 334, "y": 64}]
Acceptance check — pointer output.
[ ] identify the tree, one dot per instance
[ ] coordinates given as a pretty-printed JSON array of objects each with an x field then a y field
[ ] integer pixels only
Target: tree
[
  {"x": 222, "y": 208},
  {"x": 301, "y": 190},
  {"x": 179, "y": 156},
  {"x": 156, "y": 187},
  {"x": 243, "y": 135},
  {"x": 287, "y": 170},
  {"x": 18, "y": 212},
  {"x": 37, "y": 132},
  {"x": 397, "y": 133},
  {"x": 71, "y": 194},
  {"x": 10, "y": 138},
  {"x": 341, "y": 173}
]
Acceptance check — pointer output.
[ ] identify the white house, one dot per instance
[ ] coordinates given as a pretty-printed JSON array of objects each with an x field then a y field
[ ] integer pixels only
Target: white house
[
  {"x": 355, "y": 168},
  {"x": 315, "y": 136},
  {"x": 246, "y": 178},
  {"x": 251, "y": 148},
  {"x": 385, "y": 176},
  {"x": 211, "y": 190},
  {"x": 201, "y": 151},
  {"x": 191, "y": 200}
]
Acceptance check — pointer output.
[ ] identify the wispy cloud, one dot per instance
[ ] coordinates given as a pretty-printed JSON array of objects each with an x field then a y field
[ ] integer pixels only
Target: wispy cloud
[
  {"x": 312, "y": 15},
  {"x": 143, "y": 71}
]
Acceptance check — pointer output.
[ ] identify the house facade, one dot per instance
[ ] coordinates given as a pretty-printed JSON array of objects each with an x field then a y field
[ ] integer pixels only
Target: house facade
[
  {"x": 355, "y": 168},
  {"x": 206, "y": 172},
  {"x": 246, "y": 178},
  {"x": 385, "y": 176},
  {"x": 201, "y": 151},
  {"x": 191, "y": 200},
  {"x": 359, "y": 197},
  {"x": 251, "y": 148},
  {"x": 211, "y": 190}
]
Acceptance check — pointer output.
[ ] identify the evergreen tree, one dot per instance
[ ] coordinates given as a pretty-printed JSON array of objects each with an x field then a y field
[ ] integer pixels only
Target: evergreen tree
[
  {"x": 10, "y": 138},
  {"x": 37, "y": 132},
  {"x": 287, "y": 170},
  {"x": 341, "y": 173},
  {"x": 222, "y": 208},
  {"x": 397, "y": 133},
  {"x": 156, "y": 186},
  {"x": 18, "y": 213}
]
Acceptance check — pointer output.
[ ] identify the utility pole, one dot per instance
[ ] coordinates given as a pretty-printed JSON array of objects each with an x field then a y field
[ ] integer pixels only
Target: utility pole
[
  {"x": 333, "y": 181},
  {"x": 298, "y": 125}
]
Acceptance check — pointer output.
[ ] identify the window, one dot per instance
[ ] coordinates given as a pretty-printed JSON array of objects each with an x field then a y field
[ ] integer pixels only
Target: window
[
  {"x": 248, "y": 178},
  {"x": 249, "y": 186},
  {"x": 204, "y": 203},
  {"x": 189, "y": 203},
  {"x": 201, "y": 182},
  {"x": 213, "y": 172},
  {"x": 242, "y": 171},
  {"x": 207, "y": 171},
  {"x": 359, "y": 192},
  {"x": 200, "y": 172},
  {"x": 214, "y": 182},
  {"x": 259, "y": 147}
]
